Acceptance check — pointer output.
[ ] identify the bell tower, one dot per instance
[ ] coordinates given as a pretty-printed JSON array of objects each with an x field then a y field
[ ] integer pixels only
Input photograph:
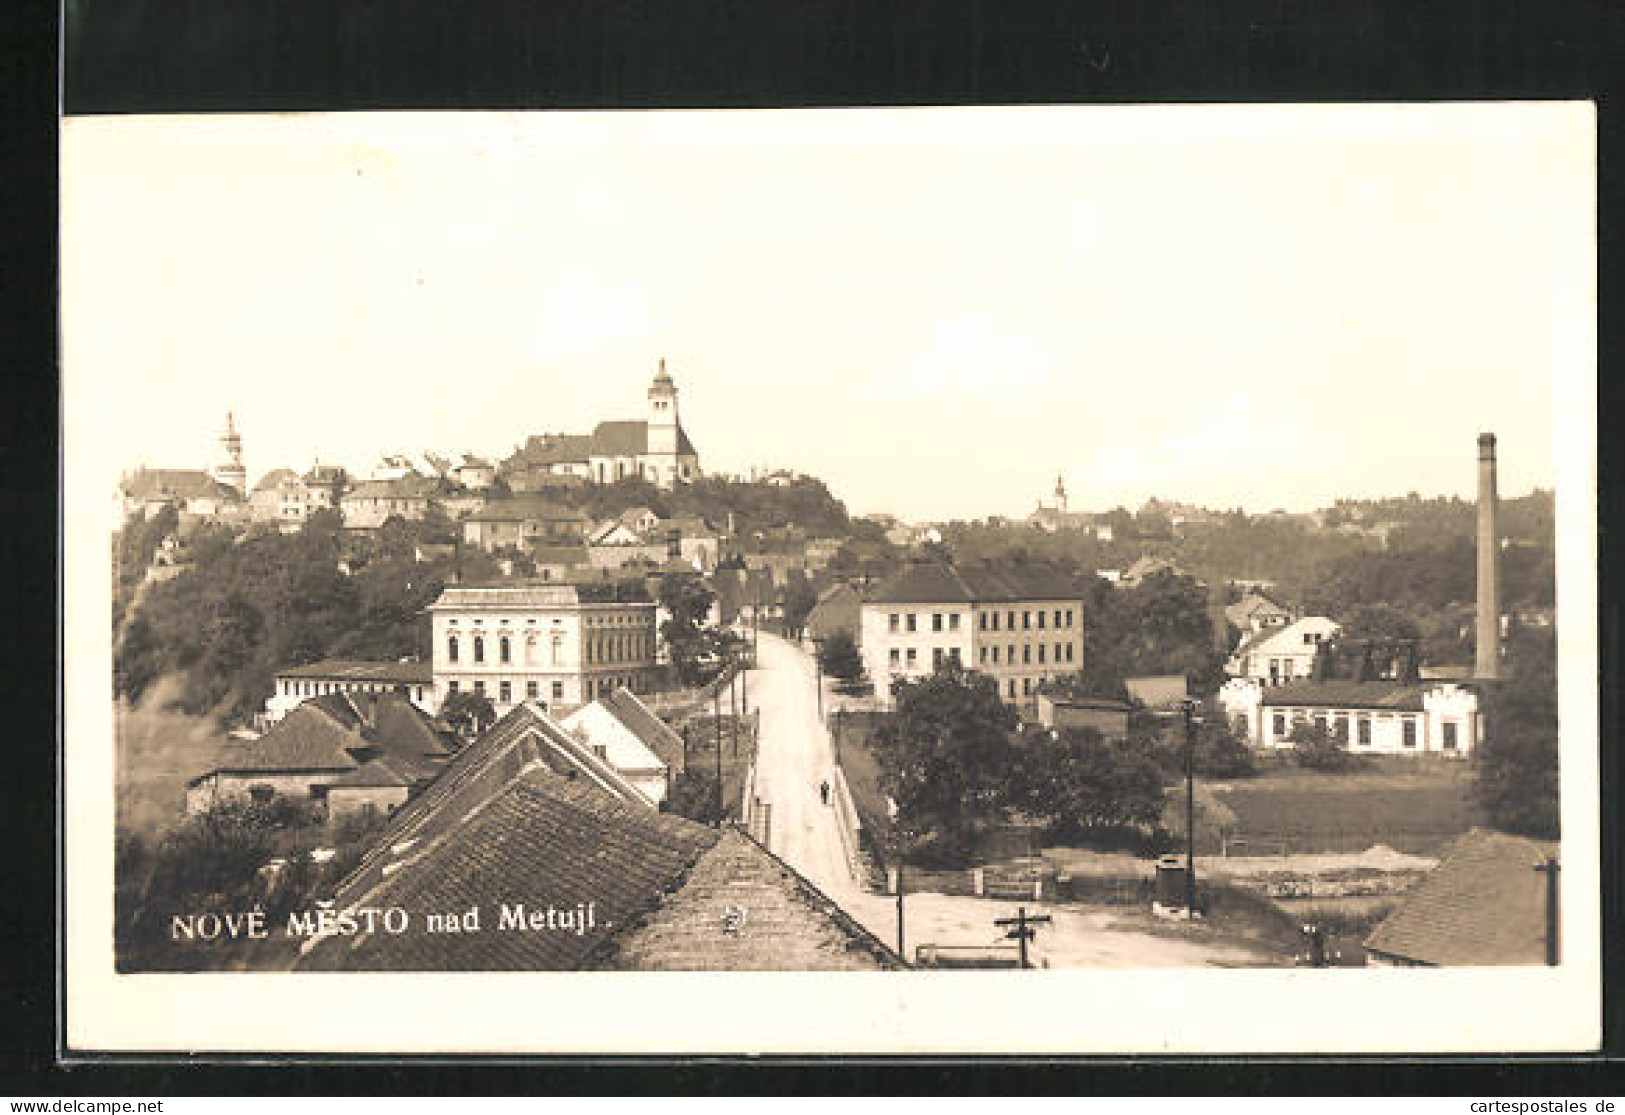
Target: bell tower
[
  {"x": 230, "y": 470},
  {"x": 663, "y": 421},
  {"x": 1060, "y": 494}
]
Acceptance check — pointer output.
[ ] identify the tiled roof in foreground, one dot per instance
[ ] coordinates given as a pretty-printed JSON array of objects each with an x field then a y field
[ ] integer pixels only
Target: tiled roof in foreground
[{"x": 1483, "y": 904}]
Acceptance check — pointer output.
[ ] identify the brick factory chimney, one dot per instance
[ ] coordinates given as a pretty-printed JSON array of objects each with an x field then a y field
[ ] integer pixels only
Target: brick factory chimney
[{"x": 1487, "y": 664}]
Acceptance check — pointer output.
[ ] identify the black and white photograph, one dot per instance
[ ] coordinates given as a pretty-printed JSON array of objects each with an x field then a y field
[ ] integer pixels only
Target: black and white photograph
[{"x": 1090, "y": 578}]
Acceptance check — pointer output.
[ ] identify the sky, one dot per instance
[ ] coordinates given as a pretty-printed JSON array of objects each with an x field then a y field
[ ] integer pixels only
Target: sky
[{"x": 937, "y": 311}]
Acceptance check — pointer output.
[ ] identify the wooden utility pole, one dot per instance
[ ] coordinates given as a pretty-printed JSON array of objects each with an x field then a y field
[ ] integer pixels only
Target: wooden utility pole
[
  {"x": 733, "y": 708},
  {"x": 1021, "y": 928},
  {"x": 900, "y": 951},
  {"x": 1550, "y": 869},
  {"x": 716, "y": 718},
  {"x": 1190, "y": 810}
]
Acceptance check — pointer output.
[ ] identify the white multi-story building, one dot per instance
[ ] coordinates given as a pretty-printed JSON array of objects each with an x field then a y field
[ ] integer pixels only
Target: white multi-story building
[
  {"x": 558, "y": 645},
  {"x": 1281, "y": 654},
  {"x": 1020, "y": 626},
  {"x": 1370, "y": 717}
]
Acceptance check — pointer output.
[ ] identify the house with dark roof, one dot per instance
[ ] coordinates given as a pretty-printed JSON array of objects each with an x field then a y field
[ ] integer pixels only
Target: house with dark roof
[
  {"x": 1256, "y": 612},
  {"x": 838, "y": 608},
  {"x": 193, "y": 492},
  {"x": 375, "y": 748},
  {"x": 1020, "y": 623},
  {"x": 518, "y": 860},
  {"x": 1485, "y": 903},
  {"x": 523, "y": 522},
  {"x": 279, "y": 497},
  {"x": 370, "y": 504}
]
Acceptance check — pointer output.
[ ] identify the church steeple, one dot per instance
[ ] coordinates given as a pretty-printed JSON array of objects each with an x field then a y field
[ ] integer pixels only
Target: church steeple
[
  {"x": 230, "y": 470},
  {"x": 1060, "y": 494}
]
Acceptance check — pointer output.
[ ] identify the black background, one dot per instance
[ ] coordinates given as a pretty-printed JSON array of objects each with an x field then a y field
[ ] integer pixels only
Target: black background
[{"x": 122, "y": 56}]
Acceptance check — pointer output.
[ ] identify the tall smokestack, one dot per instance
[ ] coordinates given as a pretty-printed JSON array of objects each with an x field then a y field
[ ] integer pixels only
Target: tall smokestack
[{"x": 1487, "y": 664}]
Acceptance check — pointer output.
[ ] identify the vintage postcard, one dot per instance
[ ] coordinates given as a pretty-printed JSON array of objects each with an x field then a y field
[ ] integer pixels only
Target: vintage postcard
[{"x": 1021, "y": 580}]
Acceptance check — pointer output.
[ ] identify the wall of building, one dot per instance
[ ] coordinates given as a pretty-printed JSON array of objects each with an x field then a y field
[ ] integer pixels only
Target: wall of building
[
  {"x": 349, "y": 801},
  {"x": 222, "y": 787},
  {"x": 1447, "y": 724},
  {"x": 557, "y": 654},
  {"x": 289, "y": 693}
]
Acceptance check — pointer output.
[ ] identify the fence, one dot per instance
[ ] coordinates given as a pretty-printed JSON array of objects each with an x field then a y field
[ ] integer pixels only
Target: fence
[{"x": 846, "y": 816}]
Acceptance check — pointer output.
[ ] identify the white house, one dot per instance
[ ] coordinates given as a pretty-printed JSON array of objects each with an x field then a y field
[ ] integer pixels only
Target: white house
[
  {"x": 624, "y": 733},
  {"x": 1371, "y": 717},
  {"x": 1020, "y": 625},
  {"x": 1277, "y": 655},
  {"x": 297, "y": 684}
]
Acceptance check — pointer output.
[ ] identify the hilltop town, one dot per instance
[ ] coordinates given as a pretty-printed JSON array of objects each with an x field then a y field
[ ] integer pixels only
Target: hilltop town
[{"x": 593, "y": 706}]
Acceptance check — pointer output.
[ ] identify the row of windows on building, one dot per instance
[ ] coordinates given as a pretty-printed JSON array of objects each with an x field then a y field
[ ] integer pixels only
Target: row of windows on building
[
  {"x": 989, "y": 621},
  {"x": 910, "y": 657},
  {"x": 987, "y": 656},
  {"x": 533, "y": 688},
  {"x": 1337, "y": 724},
  {"x": 300, "y": 688},
  {"x": 628, "y": 647}
]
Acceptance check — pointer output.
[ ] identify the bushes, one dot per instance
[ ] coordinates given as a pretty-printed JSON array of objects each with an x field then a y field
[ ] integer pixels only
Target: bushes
[{"x": 1315, "y": 749}]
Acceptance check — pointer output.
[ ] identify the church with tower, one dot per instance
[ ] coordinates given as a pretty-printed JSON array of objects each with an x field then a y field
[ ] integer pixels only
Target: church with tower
[{"x": 655, "y": 448}]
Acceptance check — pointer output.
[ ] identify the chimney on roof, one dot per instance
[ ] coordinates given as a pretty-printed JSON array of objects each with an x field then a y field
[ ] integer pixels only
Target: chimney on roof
[{"x": 1487, "y": 659}]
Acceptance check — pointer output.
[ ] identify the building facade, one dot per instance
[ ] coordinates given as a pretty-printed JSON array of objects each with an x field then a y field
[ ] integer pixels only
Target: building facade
[
  {"x": 1282, "y": 654},
  {"x": 556, "y": 645},
  {"x": 298, "y": 684},
  {"x": 1021, "y": 627},
  {"x": 1375, "y": 717}
]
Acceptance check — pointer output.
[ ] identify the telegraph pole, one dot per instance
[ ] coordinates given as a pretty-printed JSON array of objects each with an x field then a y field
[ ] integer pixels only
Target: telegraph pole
[
  {"x": 1550, "y": 869},
  {"x": 716, "y": 718},
  {"x": 1190, "y": 809},
  {"x": 900, "y": 950},
  {"x": 1021, "y": 928},
  {"x": 733, "y": 707}
]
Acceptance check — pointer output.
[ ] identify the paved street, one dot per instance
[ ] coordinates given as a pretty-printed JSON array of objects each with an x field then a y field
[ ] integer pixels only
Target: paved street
[{"x": 794, "y": 756}]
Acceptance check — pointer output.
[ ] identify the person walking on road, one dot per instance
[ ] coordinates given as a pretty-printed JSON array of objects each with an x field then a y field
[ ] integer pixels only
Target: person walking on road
[{"x": 823, "y": 791}]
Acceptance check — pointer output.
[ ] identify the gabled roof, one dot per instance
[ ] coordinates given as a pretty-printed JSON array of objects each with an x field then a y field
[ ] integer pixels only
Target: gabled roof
[
  {"x": 741, "y": 908},
  {"x": 535, "y": 840},
  {"x": 524, "y": 508},
  {"x": 620, "y": 439},
  {"x": 308, "y": 739},
  {"x": 1483, "y": 904},
  {"x": 941, "y": 583},
  {"x": 384, "y": 771},
  {"x": 1157, "y": 689},
  {"x": 175, "y": 483},
  {"x": 276, "y": 478},
  {"x": 630, "y": 439},
  {"x": 1384, "y": 695},
  {"x": 404, "y": 487},
  {"x": 1291, "y": 636},
  {"x": 552, "y": 449},
  {"x": 653, "y": 732},
  {"x": 324, "y": 474},
  {"x": 471, "y": 461}
]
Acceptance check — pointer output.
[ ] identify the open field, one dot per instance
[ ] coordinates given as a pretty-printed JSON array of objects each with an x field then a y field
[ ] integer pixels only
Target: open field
[{"x": 1295, "y": 812}]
